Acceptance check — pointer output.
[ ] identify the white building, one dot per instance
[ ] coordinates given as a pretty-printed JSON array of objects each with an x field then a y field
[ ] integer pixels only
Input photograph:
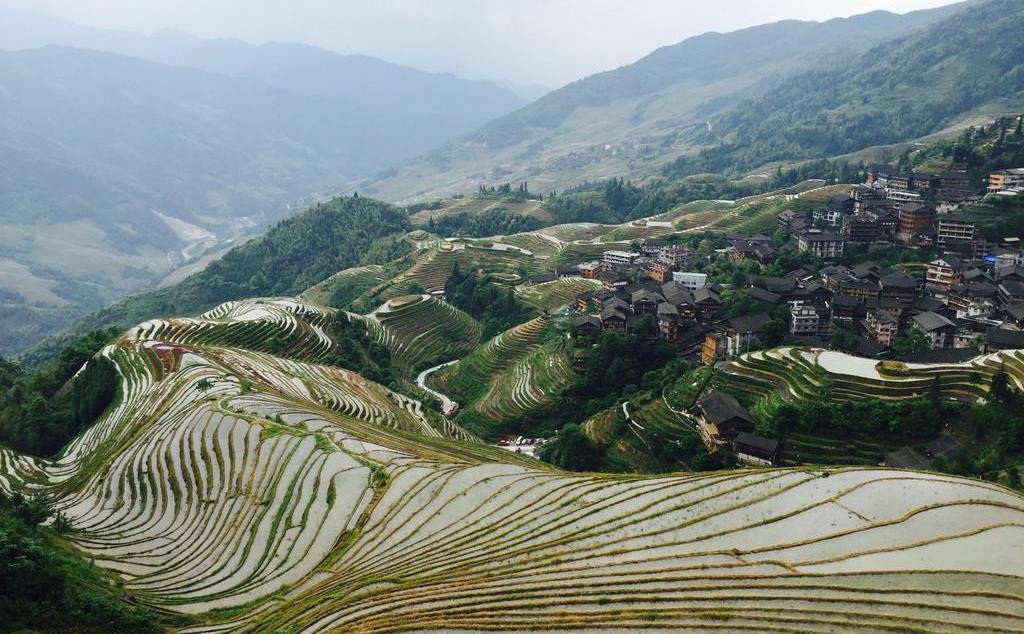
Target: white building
[
  {"x": 803, "y": 320},
  {"x": 620, "y": 258},
  {"x": 691, "y": 281}
]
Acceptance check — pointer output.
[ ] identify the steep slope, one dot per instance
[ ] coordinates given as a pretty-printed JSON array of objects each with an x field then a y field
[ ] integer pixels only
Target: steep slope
[
  {"x": 629, "y": 120},
  {"x": 899, "y": 91},
  {"x": 118, "y": 171},
  {"x": 258, "y": 494}
]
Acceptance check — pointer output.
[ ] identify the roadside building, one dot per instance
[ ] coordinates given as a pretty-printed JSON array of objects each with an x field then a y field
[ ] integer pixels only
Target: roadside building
[
  {"x": 742, "y": 332},
  {"x": 1005, "y": 180},
  {"x": 881, "y": 327},
  {"x": 997, "y": 338},
  {"x": 660, "y": 272},
  {"x": 590, "y": 270},
  {"x": 690, "y": 281}
]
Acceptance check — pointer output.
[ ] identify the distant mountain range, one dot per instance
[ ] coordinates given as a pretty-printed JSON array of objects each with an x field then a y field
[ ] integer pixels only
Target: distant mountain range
[
  {"x": 631, "y": 120},
  {"x": 118, "y": 168}
]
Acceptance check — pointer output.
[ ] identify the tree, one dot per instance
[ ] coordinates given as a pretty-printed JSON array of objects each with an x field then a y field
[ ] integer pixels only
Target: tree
[
  {"x": 914, "y": 342},
  {"x": 572, "y": 450}
]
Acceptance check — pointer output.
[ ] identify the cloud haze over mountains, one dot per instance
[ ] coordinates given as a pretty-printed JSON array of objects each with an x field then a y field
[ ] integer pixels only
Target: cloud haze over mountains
[{"x": 549, "y": 42}]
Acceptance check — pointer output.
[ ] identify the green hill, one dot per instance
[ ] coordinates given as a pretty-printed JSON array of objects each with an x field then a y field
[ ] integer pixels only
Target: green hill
[{"x": 901, "y": 90}]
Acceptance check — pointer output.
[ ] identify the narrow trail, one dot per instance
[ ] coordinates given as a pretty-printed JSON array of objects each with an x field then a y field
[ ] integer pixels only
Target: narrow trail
[{"x": 448, "y": 406}]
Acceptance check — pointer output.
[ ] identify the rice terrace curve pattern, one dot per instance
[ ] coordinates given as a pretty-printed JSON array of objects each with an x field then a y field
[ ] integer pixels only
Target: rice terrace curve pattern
[{"x": 258, "y": 493}]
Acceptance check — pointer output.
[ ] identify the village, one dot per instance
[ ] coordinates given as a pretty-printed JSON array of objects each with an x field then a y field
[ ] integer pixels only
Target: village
[{"x": 952, "y": 296}]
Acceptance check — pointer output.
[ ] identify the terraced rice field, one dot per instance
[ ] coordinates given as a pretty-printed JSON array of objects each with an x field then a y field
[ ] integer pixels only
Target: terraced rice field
[
  {"x": 288, "y": 327},
  {"x": 575, "y": 252},
  {"x": 432, "y": 269},
  {"x": 553, "y": 295},
  {"x": 421, "y": 331},
  {"x": 513, "y": 373},
  {"x": 355, "y": 281},
  {"x": 262, "y": 494},
  {"x": 799, "y": 372},
  {"x": 527, "y": 385}
]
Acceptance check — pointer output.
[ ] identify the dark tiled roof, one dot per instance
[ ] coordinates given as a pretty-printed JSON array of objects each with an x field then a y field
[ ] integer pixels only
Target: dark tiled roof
[
  {"x": 1004, "y": 338},
  {"x": 760, "y": 443},
  {"x": 762, "y": 295},
  {"x": 719, "y": 407},
  {"x": 898, "y": 279},
  {"x": 750, "y": 323},
  {"x": 930, "y": 321}
]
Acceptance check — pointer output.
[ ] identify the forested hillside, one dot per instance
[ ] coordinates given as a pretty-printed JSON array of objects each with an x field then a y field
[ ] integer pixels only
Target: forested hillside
[{"x": 901, "y": 90}]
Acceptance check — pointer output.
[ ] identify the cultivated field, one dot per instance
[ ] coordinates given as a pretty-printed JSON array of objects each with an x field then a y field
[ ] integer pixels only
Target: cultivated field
[{"x": 265, "y": 494}]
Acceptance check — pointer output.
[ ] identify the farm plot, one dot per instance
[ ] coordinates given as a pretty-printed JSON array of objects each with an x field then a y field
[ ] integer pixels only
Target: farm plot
[
  {"x": 265, "y": 494},
  {"x": 797, "y": 373},
  {"x": 422, "y": 331},
  {"x": 288, "y": 327},
  {"x": 493, "y": 547},
  {"x": 528, "y": 384}
]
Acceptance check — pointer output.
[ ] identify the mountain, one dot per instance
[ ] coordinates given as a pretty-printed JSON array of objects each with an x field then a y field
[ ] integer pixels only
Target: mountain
[
  {"x": 430, "y": 107},
  {"x": 116, "y": 171},
  {"x": 634, "y": 118},
  {"x": 898, "y": 91}
]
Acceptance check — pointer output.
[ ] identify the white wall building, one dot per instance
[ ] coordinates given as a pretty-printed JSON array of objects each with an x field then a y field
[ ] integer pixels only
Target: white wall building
[
  {"x": 620, "y": 258},
  {"x": 691, "y": 281}
]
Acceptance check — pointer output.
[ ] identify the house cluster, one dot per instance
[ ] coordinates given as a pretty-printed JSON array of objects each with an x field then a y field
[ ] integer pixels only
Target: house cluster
[{"x": 971, "y": 297}]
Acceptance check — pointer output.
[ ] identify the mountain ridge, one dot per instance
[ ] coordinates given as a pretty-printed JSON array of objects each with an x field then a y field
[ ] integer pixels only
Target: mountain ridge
[{"x": 628, "y": 120}]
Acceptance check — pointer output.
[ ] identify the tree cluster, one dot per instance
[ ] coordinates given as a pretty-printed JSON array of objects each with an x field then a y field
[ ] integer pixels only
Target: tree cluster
[{"x": 38, "y": 414}]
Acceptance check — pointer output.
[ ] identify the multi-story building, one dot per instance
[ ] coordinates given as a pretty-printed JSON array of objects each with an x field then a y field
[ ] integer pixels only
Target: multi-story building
[
  {"x": 1004, "y": 180},
  {"x": 881, "y": 326},
  {"x": 690, "y": 281},
  {"x": 674, "y": 255},
  {"x": 944, "y": 272},
  {"x": 620, "y": 258},
  {"x": 714, "y": 348},
  {"x": 862, "y": 228},
  {"x": 915, "y": 219},
  {"x": 938, "y": 329},
  {"x": 590, "y": 270},
  {"x": 826, "y": 246},
  {"x": 660, "y": 272},
  {"x": 899, "y": 286},
  {"x": 803, "y": 320},
  {"x": 955, "y": 230}
]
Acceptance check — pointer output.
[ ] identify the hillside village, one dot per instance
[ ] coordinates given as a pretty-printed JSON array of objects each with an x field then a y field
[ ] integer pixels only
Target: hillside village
[{"x": 948, "y": 294}]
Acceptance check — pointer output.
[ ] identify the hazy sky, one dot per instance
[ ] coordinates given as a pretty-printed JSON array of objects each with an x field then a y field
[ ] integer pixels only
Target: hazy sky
[{"x": 524, "y": 41}]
